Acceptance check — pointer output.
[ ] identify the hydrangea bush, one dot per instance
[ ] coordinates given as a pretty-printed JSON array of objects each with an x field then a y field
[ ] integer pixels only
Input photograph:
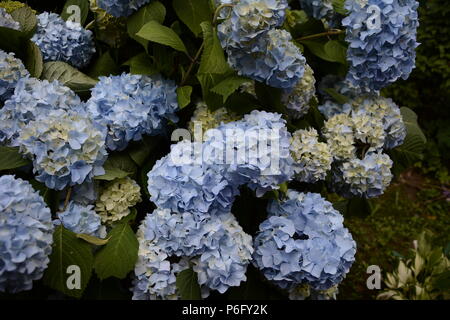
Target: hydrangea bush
[{"x": 190, "y": 155}]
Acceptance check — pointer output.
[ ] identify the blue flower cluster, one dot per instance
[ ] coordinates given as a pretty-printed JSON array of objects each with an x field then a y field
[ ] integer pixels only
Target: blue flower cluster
[
  {"x": 382, "y": 41},
  {"x": 67, "y": 148},
  {"x": 33, "y": 98},
  {"x": 132, "y": 105},
  {"x": 25, "y": 235},
  {"x": 7, "y": 21},
  {"x": 61, "y": 40},
  {"x": 194, "y": 187},
  {"x": 121, "y": 8},
  {"x": 205, "y": 178},
  {"x": 11, "y": 71},
  {"x": 81, "y": 219},
  {"x": 304, "y": 241},
  {"x": 256, "y": 49},
  {"x": 367, "y": 177},
  {"x": 215, "y": 244}
]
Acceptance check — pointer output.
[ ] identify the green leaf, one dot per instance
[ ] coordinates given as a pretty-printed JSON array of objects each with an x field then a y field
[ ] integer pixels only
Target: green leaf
[
  {"x": 213, "y": 58},
  {"x": 34, "y": 62},
  {"x": 153, "y": 11},
  {"x": 187, "y": 285},
  {"x": 193, "y": 13},
  {"x": 156, "y": 32},
  {"x": 207, "y": 82},
  {"x": 226, "y": 87},
  {"x": 27, "y": 20},
  {"x": 336, "y": 51},
  {"x": 184, "y": 96},
  {"x": 103, "y": 66},
  {"x": 412, "y": 148},
  {"x": 67, "y": 75},
  {"x": 339, "y": 98},
  {"x": 92, "y": 240},
  {"x": 68, "y": 250},
  {"x": 118, "y": 166},
  {"x": 17, "y": 41},
  {"x": 119, "y": 255},
  {"x": 339, "y": 7},
  {"x": 10, "y": 158},
  {"x": 332, "y": 50},
  {"x": 140, "y": 150},
  {"x": 141, "y": 64},
  {"x": 70, "y": 12}
]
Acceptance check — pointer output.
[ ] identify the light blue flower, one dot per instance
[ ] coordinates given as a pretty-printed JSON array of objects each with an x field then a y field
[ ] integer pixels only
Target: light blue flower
[
  {"x": 250, "y": 19},
  {"x": 7, "y": 21},
  {"x": 81, "y": 219},
  {"x": 11, "y": 71},
  {"x": 67, "y": 148},
  {"x": 271, "y": 58},
  {"x": 131, "y": 106},
  {"x": 224, "y": 262},
  {"x": 190, "y": 185},
  {"x": 33, "y": 98},
  {"x": 255, "y": 150},
  {"x": 25, "y": 235},
  {"x": 121, "y": 8},
  {"x": 216, "y": 246},
  {"x": 303, "y": 241},
  {"x": 367, "y": 177},
  {"x": 61, "y": 40},
  {"x": 380, "y": 54}
]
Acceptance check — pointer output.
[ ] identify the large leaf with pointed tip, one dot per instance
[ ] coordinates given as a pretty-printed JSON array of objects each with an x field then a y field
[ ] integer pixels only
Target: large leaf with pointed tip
[
  {"x": 67, "y": 75},
  {"x": 118, "y": 256},
  {"x": 187, "y": 285},
  {"x": 68, "y": 250},
  {"x": 10, "y": 158}
]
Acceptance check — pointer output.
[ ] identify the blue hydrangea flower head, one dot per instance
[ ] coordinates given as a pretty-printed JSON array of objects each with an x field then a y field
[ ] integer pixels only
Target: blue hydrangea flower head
[
  {"x": 251, "y": 18},
  {"x": 155, "y": 274},
  {"x": 61, "y": 40},
  {"x": 367, "y": 177},
  {"x": 182, "y": 181},
  {"x": 33, "y": 98},
  {"x": 121, "y": 8},
  {"x": 11, "y": 71},
  {"x": 376, "y": 121},
  {"x": 224, "y": 262},
  {"x": 67, "y": 148},
  {"x": 7, "y": 21},
  {"x": 380, "y": 50},
  {"x": 26, "y": 235},
  {"x": 312, "y": 159},
  {"x": 81, "y": 219},
  {"x": 131, "y": 106},
  {"x": 216, "y": 246},
  {"x": 272, "y": 58},
  {"x": 304, "y": 241},
  {"x": 255, "y": 149}
]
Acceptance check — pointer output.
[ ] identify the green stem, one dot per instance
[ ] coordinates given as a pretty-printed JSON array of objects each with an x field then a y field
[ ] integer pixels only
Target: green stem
[
  {"x": 219, "y": 8},
  {"x": 191, "y": 66},
  {"x": 66, "y": 201},
  {"x": 322, "y": 34}
]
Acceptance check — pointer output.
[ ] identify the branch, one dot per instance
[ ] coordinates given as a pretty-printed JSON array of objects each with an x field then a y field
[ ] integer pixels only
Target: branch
[{"x": 323, "y": 34}]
